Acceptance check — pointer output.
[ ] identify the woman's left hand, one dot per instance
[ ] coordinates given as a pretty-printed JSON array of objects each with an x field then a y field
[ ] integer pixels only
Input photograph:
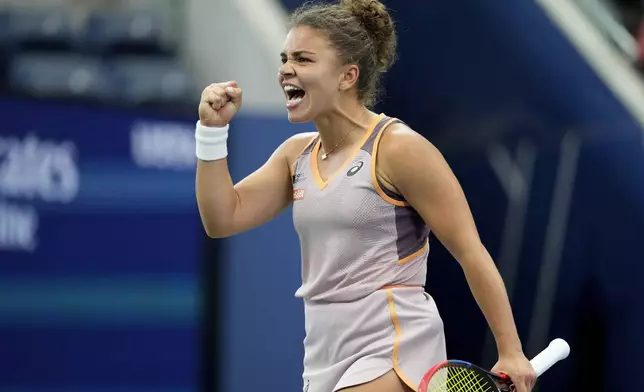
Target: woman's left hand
[{"x": 519, "y": 369}]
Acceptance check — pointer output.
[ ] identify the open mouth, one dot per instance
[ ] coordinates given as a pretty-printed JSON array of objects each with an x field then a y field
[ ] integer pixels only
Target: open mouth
[{"x": 294, "y": 95}]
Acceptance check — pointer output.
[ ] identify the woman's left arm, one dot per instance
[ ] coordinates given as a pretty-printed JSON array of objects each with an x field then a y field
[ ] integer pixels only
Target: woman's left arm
[{"x": 417, "y": 170}]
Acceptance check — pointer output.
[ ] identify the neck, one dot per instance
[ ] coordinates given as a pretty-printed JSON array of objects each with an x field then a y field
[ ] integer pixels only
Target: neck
[{"x": 345, "y": 125}]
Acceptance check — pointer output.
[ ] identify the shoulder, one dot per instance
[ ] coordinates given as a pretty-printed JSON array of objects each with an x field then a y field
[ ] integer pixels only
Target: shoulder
[
  {"x": 296, "y": 144},
  {"x": 401, "y": 144},
  {"x": 406, "y": 156},
  {"x": 300, "y": 140},
  {"x": 293, "y": 147}
]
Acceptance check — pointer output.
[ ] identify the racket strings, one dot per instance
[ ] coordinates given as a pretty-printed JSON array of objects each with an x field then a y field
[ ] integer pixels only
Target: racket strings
[{"x": 458, "y": 379}]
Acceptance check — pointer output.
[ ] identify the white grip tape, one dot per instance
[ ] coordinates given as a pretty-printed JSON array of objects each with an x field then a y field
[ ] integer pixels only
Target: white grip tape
[
  {"x": 211, "y": 142},
  {"x": 557, "y": 350}
]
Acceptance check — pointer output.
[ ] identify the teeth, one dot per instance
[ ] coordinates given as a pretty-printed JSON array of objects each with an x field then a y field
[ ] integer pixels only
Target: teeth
[{"x": 291, "y": 88}]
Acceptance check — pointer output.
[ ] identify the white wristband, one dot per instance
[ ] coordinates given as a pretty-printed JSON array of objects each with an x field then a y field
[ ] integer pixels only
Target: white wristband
[{"x": 211, "y": 142}]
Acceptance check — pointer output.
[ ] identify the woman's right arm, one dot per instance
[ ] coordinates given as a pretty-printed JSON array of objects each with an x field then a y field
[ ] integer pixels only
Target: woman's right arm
[{"x": 228, "y": 208}]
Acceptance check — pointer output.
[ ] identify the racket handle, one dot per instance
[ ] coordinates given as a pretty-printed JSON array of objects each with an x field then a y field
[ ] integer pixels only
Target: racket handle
[{"x": 557, "y": 350}]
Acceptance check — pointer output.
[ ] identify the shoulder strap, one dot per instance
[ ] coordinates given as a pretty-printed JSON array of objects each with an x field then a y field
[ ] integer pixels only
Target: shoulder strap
[
  {"x": 375, "y": 135},
  {"x": 305, "y": 152}
]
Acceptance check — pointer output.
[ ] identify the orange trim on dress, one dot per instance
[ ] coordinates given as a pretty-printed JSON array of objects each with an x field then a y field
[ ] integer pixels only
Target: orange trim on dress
[
  {"x": 314, "y": 156},
  {"x": 396, "y": 350},
  {"x": 308, "y": 144},
  {"x": 374, "y": 178},
  {"x": 415, "y": 254}
]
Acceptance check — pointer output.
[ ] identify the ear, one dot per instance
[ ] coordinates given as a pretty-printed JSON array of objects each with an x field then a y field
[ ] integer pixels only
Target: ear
[{"x": 349, "y": 77}]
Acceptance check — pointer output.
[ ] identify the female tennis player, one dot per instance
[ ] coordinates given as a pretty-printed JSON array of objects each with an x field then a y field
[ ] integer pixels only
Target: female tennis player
[{"x": 366, "y": 189}]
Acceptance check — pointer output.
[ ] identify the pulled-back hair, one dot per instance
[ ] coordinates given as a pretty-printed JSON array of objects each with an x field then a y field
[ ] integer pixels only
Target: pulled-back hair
[{"x": 361, "y": 31}]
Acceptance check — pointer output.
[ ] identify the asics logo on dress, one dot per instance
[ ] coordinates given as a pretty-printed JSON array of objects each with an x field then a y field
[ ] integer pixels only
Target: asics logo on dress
[{"x": 355, "y": 168}]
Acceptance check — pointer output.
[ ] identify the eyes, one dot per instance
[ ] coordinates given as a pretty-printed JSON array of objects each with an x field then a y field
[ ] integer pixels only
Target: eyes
[{"x": 298, "y": 59}]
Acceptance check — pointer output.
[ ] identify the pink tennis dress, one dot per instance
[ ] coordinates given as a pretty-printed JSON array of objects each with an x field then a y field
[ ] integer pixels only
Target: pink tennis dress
[{"x": 364, "y": 261}]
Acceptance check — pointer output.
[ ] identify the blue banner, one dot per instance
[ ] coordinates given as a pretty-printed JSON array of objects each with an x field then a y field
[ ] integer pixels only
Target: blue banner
[{"x": 99, "y": 233}]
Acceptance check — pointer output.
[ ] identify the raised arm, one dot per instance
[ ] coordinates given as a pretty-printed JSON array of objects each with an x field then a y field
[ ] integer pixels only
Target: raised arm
[{"x": 228, "y": 208}]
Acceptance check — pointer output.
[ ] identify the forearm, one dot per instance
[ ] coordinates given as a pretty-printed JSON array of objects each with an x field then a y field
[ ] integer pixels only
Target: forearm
[
  {"x": 488, "y": 290},
  {"x": 216, "y": 196},
  {"x": 215, "y": 191}
]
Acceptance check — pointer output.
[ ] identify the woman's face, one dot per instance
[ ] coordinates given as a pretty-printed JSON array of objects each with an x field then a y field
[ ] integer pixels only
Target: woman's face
[{"x": 310, "y": 74}]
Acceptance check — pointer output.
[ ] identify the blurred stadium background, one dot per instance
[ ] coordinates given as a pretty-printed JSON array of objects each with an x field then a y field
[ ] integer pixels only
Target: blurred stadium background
[{"x": 108, "y": 283}]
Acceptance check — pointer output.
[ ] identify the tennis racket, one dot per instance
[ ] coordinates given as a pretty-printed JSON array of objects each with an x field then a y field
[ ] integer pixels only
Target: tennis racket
[{"x": 461, "y": 376}]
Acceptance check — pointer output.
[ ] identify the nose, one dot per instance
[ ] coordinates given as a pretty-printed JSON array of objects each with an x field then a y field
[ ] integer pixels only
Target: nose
[{"x": 286, "y": 70}]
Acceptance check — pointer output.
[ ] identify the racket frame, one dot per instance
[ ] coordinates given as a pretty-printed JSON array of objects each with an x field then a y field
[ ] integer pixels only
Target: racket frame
[
  {"x": 502, "y": 381},
  {"x": 557, "y": 350}
]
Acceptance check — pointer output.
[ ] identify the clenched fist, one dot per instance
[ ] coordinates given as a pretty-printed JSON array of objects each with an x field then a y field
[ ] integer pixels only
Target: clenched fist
[{"x": 219, "y": 104}]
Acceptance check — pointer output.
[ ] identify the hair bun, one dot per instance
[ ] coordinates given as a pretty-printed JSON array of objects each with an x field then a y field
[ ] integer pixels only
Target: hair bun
[{"x": 380, "y": 27}]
